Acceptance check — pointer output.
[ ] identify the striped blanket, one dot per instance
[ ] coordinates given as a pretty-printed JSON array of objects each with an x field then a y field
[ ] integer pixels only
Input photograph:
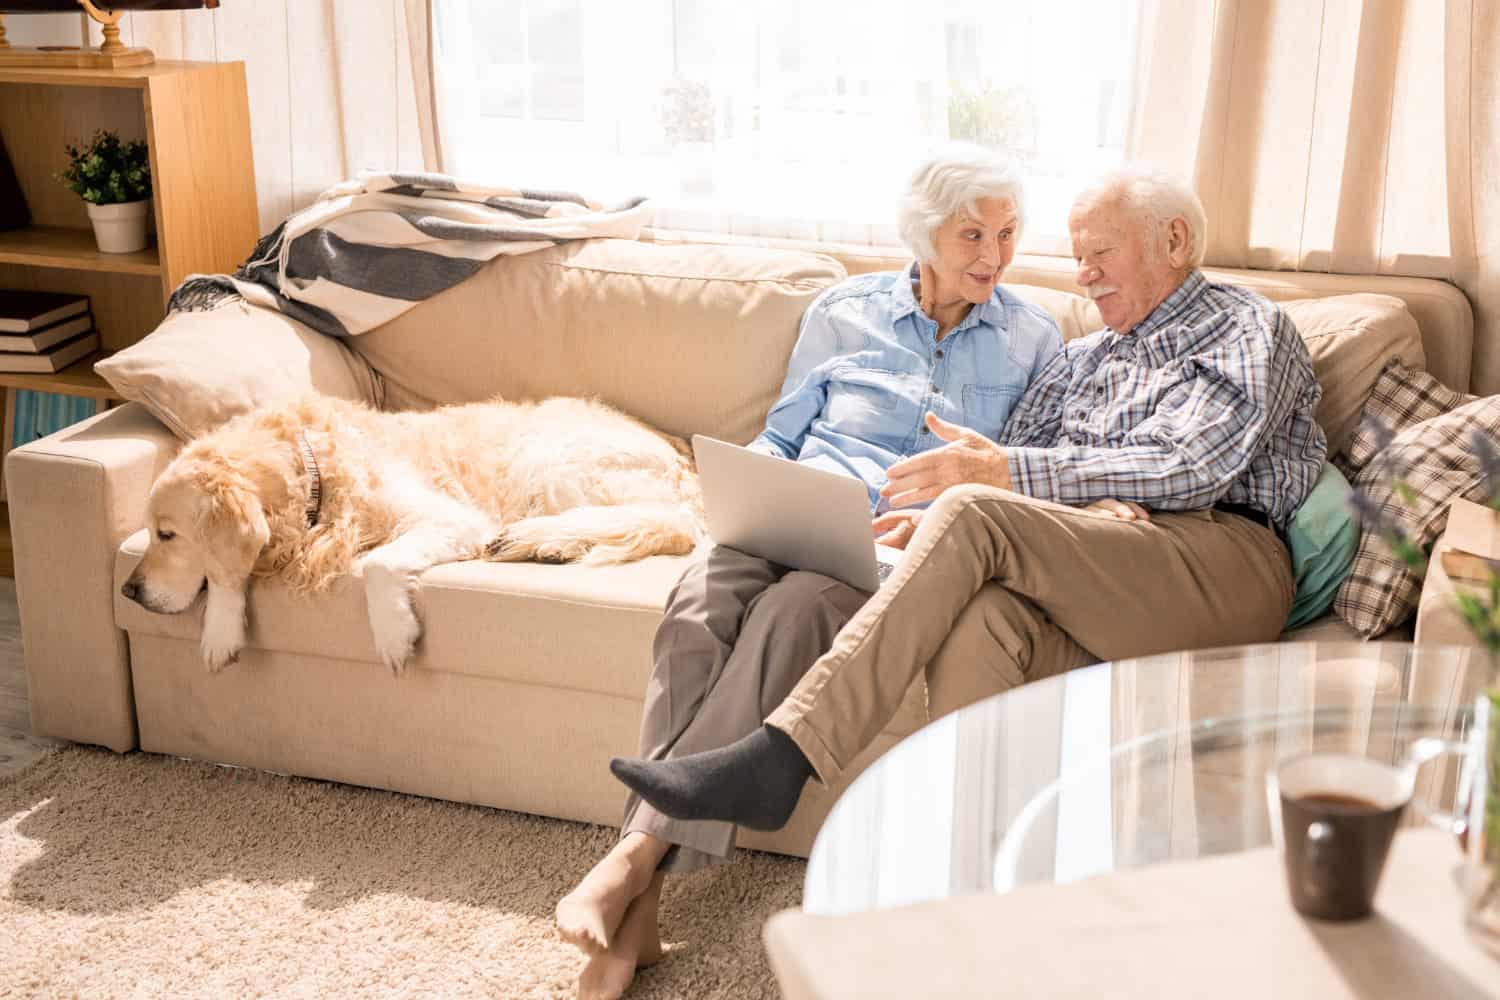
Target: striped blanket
[{"x": 371, "y": 248}]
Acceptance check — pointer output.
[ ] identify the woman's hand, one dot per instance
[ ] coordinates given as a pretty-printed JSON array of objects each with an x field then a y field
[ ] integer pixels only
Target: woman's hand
[
  {"x": 969, "y": 457},
  {"x": 896, "y": 527},
  {"x": 1125, "y": 510}
]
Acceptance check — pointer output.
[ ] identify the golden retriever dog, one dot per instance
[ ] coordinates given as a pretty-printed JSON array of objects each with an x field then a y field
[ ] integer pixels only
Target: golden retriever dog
[{"x": 308, "y": 491}]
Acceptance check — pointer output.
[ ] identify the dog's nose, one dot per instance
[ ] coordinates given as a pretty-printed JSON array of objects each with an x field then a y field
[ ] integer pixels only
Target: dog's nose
[{"x": 131, "y": 589}]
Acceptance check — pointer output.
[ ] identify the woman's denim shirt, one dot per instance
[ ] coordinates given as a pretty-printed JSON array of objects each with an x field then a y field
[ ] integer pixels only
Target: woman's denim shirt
[{"x": 867, "y": 366}]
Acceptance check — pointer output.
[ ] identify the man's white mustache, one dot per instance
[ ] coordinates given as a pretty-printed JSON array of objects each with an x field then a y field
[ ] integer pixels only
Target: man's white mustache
[{"x": 1099, "y": 291}]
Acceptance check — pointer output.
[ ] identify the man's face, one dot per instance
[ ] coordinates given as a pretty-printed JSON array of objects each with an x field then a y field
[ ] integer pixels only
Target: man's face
[
  {"x": 1123, "y": 265},
  {"x": 973, "y": 250}
]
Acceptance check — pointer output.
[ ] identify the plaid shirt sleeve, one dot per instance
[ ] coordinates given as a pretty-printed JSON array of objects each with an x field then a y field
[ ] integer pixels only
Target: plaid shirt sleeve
[
  {"x": 1186, "y": 451},
  {"x": 1037, "y": 417}
]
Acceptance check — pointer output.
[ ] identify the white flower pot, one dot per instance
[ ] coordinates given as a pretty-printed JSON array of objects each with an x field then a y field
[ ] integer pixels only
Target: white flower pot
[{"x": 121, "y": 228}]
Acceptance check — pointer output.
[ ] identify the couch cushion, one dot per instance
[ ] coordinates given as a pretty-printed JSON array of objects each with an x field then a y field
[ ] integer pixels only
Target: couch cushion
[
  {"x": 1322, "y": 538},
  {"x": 1351, "y": 339},
  {"x": 1437, "y": 460},
  {"x": 525, "y": 622},
  {"x": 198, "y": 369},
  {"x": 690, "y": 338},
  {"x": 585, "y": 628}
]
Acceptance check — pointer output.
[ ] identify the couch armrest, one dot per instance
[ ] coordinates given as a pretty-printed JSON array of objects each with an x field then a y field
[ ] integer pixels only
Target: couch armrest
[
  {"x": 74, "y": 496},
  {"x": 1438, "y": 620}
]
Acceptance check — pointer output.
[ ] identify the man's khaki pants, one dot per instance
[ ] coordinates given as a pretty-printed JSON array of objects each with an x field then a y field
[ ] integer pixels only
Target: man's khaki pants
[{"x": 1055, "y": 587}]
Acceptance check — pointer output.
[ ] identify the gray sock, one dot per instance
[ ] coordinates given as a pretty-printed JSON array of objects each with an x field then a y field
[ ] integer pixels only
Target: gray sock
[{"x": 754, "y": 782}]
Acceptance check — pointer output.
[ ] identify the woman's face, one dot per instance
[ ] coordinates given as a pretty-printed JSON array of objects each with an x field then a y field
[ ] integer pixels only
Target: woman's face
[{"x": 974, "y": 250}]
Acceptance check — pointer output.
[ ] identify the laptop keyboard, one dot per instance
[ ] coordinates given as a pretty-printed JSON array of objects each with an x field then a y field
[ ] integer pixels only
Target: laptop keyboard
[{"x": 883, "y": 570}]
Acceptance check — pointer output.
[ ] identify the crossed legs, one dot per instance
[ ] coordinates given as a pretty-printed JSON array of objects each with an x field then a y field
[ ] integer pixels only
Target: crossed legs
[
  {"x": 1056, "y": 587},
  {"x": 737, "y": 634}
]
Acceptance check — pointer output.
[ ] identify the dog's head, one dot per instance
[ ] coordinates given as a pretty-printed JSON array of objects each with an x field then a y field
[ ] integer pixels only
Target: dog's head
[{"x": 207, "y": 528}]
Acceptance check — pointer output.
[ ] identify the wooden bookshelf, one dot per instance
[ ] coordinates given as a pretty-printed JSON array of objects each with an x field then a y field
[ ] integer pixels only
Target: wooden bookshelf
[
  {"x": 195, "y": 119},
  {"x": 72, "y": 249},
  {"x": 78, "y": 379}
]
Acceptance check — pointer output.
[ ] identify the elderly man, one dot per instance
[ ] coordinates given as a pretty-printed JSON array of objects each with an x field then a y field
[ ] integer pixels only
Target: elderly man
[{"x": 1132, "y": 506}]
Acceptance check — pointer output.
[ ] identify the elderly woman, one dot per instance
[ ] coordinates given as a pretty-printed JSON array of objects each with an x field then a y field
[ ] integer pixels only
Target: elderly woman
[{"x": 875, "y": 354}]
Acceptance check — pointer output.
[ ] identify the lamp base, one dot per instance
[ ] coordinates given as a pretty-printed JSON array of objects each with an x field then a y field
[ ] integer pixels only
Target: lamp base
[
  {"x": 112, "y": 54},
  {"x": 72, "y": 57}
]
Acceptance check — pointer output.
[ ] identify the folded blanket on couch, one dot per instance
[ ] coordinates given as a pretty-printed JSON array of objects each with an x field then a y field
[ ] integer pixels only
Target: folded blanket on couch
[{"x": 371, "y": 248}]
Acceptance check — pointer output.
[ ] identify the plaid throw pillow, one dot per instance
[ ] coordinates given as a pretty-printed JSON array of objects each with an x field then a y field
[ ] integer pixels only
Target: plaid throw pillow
[
  {"x": 1437, "y": 459},
  {"x": 1402, "y": 397}
]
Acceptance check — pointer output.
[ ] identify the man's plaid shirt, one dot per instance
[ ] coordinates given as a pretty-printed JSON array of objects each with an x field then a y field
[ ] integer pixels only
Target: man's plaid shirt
[{"x": 1209, "y": 400}]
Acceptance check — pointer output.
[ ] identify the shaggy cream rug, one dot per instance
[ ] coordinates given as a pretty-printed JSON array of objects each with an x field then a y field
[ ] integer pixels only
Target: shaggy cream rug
[{"x": 141, "y": 875}]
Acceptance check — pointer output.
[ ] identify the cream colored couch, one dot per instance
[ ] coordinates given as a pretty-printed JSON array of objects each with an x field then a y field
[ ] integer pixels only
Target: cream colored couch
[{"x": 529, "y": 677}]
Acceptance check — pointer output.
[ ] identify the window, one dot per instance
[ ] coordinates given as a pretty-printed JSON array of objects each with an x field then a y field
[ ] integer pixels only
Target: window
[
  {"x": 528, "y": 58},
  {"x": 781, "y": 117}
]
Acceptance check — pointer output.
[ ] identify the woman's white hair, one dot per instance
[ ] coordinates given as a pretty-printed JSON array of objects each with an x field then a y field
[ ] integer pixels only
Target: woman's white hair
[
  {"x": 1156, "y": 196},
  {"x": 955, "y": 177}
]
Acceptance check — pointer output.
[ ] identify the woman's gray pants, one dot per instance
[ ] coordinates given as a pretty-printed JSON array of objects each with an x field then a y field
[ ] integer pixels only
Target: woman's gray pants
[{"x": 739, "y": 632}]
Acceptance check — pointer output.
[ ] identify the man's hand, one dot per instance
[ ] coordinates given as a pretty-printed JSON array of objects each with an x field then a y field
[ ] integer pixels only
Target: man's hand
[
  {"x": 896, "y": 527},
  {"x": 1123, "y": 509},
  {"x": 969, "y": 457}
]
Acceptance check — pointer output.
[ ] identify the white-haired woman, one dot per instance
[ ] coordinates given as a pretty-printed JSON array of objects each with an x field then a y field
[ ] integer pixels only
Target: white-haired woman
[{"x": 876, "y": 355}]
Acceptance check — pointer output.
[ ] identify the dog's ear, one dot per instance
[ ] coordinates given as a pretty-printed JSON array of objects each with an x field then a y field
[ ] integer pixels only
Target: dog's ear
[{"x": 233, "y": 530}]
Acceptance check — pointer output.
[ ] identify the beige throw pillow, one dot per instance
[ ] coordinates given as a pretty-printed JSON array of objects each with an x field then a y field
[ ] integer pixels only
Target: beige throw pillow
[
  {"x": 199, "y": 369},
  {"x": 1351, "y": 339}
]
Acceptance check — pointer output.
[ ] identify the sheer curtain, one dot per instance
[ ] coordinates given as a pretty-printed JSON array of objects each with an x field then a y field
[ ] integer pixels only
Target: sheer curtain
[
  {"x": 1352, "y": 136},
  {"x": 780, "y": 117}
]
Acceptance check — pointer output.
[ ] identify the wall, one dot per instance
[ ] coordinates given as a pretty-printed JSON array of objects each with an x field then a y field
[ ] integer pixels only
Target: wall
[{"x": 329, "y": 81}]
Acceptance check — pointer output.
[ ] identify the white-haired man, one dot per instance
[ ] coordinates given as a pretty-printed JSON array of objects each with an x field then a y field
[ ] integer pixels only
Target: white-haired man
[
  {"x": 875, "y": 353},
  {"x": 1131, "y": 507}
]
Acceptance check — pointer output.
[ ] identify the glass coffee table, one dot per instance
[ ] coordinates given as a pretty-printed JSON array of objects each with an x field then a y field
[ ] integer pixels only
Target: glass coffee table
[{"x": 1127, "y": 764}]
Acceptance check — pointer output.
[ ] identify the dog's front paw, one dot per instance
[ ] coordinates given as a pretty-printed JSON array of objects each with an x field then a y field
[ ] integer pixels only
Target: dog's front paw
[
  {"x": 218, "y": 655},
  {"x": 396, "y": 634},
  {"x": 223, "y": 628},
  {"x": 393, "y": 623}
]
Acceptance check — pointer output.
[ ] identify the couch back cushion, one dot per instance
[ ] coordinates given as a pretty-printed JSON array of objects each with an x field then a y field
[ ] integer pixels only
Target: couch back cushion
[
  {"x": 693, "y": 339},
  {"x": 1351, "y": 339}
]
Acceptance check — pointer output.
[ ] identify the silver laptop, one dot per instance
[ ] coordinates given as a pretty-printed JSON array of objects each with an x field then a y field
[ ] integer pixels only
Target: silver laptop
[{"x": 790, "y": 513}]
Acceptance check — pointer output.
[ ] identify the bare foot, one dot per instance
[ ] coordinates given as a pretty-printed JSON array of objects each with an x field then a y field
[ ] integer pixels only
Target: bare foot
[
  {"x": 588, "y": 916},
  {"x": 637, "y": 944}
]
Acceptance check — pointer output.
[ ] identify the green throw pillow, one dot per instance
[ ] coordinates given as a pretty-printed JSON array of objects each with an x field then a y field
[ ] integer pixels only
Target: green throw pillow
[{"x": 1323, "y": 537}]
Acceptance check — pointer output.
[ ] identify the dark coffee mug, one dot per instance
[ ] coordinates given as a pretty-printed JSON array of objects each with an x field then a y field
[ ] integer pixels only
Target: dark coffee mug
[{"x": 1333, "y": 818}]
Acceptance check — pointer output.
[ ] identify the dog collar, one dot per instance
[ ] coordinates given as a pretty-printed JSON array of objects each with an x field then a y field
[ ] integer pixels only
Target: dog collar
[{"x": 315, "y": 489}]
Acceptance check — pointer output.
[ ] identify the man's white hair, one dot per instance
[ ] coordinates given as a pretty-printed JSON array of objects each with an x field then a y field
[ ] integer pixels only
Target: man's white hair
[
  {"x": 1158, "y": 197},
  {"x": 955, "y": 177}
]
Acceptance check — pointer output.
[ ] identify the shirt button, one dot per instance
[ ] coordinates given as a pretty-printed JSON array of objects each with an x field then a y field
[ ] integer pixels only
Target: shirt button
[
  {"x": 934, "y": 387},
  {"x": 939, "y": 353}
]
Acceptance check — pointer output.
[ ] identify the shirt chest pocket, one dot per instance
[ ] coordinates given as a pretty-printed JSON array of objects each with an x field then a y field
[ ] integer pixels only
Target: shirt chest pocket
[
  {"x": 856, "y": 395},
  {"x": 986, "y": 407}
]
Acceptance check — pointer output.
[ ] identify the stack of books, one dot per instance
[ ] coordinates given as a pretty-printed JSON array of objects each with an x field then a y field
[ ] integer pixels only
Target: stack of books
[
  {"x": 1474, "y": 537},
  {"x": 44, "y": 331}
]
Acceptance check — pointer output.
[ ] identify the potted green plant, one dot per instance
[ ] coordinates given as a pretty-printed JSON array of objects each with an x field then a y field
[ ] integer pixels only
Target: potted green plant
[{"x": 114, "y": 177}]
